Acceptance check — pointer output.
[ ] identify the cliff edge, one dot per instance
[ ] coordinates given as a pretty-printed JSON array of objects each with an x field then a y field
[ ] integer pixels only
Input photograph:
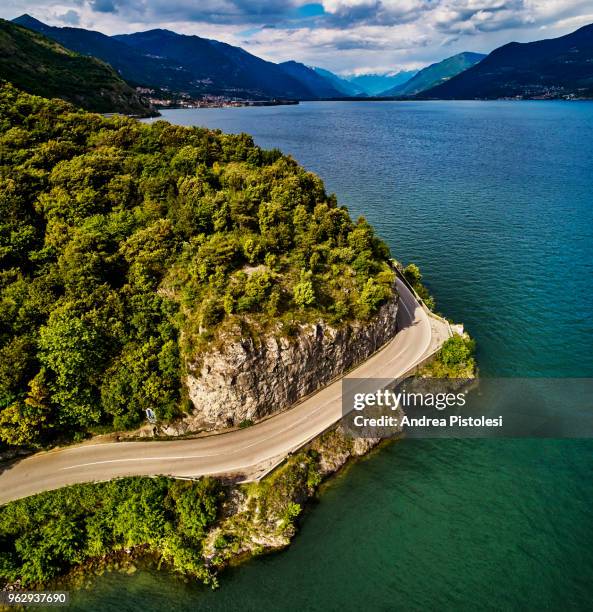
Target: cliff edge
[{"x": 248, "y": 380}]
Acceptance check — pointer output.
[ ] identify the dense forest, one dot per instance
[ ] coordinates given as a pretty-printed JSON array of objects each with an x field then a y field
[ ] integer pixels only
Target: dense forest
[
  {"x": 43, "y": 536},
  {"x": 128, "y": 248}
]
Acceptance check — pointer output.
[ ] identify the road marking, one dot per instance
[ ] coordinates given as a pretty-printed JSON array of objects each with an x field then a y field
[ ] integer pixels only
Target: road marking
[
  {"x": 303, "y": 418},
  {"x": 38, "y": 472}
]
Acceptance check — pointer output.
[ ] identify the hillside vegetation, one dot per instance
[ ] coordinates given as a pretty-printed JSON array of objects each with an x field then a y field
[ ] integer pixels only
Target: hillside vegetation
[
  {"x": 126, "y": 249},
  {"x": 41, "y": 66}
]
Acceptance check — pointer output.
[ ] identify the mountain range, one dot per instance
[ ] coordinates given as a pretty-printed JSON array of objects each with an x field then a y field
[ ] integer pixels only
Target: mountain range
[
  {"x": 179, "y": 63},
  {"x": 376, "y": 84},
  {"x": 546, "y": 68},
  {"x": 345, "y": 86},
  {"x": 43, "y": 67},
  {"x": 193, "y": 66},
  {"x": 435, "y": 74},
  {"x": 190, "y": 64},
  {"x": 320, "y": 85}
]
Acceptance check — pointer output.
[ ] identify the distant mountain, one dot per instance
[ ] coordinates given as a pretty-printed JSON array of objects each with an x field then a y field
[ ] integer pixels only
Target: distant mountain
[
  {"x": 132, "y": 65},
  {"x": 345, "y": 87},
  {"x": 217, "y": 67},
  {"x": 180, "y": 63},
  {"x": 436, "y": 74},
  {"x": 38, "y": 65},
  {"x": 546, "y": 68},
  {"x": 376, "y": 84},
  {"x": 319, "y": 85}
]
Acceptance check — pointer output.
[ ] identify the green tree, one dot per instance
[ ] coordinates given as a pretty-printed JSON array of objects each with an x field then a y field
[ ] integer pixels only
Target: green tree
[
  {"x": 372, "y": 296},
  {"x": 143, "y": 376},
  {"x": 25, "y": 422},
  {"x": 17, "y": 363},
  {"x": 257, "y": 288},
  {"x": 413, "y": 274},
  {"x": 457, "y": 350},
  {"x": 196, "y": 506},
  {"x": 72, "y": 349},
  {"x": 304, "y": 292}
]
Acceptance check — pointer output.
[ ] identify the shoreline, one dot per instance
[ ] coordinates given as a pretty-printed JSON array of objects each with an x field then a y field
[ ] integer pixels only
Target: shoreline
[{"x": 248, "y": 526}]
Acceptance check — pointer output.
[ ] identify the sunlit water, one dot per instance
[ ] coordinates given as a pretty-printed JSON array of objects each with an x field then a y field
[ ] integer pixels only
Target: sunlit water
[{"x": 494, "y": 201}]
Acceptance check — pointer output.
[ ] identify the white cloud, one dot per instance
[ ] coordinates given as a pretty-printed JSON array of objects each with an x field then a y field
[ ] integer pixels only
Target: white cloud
[
  {"x": 402, "y": 34},
  {"x": 352, "y": 34}
]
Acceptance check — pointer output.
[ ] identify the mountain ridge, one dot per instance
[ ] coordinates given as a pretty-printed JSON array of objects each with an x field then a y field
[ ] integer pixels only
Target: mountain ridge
[
  {"x": 194, "y": 66},
  {"x": 41, "y": 66},
  {"x": 344, "y": 86},
  {"x": 139, "y": 60},
  {"x": 319, "y": 85},
  {"x": 544, "y": 68},
  {"x": 217, "y": 67},
  {"x": 435, "y": 73},
  {"x": 130, "y": 64},
  {"x": 227, "y": 70},
  {"x": 375, "y": 84}
]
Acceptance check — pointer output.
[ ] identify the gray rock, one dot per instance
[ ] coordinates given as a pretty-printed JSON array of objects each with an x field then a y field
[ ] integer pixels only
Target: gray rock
[{"x": 246, "y": 381}]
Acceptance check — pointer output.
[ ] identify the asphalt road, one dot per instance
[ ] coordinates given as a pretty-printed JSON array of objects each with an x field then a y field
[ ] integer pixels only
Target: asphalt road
[{"x": 247, "y": 453}]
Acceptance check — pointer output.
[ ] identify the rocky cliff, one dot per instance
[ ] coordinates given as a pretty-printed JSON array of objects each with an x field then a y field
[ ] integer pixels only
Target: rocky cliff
[
  {"x": 263, "y": 516},
  {"x": 247, "y": 381}
]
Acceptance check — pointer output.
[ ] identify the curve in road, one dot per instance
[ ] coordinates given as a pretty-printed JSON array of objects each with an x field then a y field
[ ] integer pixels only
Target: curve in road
[{"x": 248, "y": 453}]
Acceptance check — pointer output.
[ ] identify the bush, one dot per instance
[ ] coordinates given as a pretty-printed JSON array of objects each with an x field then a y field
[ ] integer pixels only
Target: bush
[
  {"x": 457, "y": 350},
  {"x": 304, "y": 293},
  {"x": 413, "y": 274},
  {"x": 212, "y": 312},
  {"x": 372, "y": 296},
  {"x": 454, "y": 360},
  {"x": 414, "y": 277}
]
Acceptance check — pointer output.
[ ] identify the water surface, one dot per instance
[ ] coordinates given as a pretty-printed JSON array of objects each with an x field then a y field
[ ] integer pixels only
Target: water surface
[{"x": 494, "y": 201}]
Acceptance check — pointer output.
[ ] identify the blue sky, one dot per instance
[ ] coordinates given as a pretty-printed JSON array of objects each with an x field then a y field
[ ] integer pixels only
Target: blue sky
[{"x": 342, "y": 35}]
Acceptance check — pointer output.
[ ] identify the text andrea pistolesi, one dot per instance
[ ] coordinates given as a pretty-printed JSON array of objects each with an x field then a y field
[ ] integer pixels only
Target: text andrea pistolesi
[{"x": 382, "y": 412}]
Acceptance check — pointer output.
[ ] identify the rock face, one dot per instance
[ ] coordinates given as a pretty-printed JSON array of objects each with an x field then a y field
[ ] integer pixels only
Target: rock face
[
  {"x": 337, "y": 446},
  {"x": 246, "y": 382},
  {"x": 255, "y": 522}
]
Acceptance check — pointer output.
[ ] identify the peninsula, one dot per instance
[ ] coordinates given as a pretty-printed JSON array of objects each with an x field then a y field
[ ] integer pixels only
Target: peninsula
[{"x": 192, "y": 276}]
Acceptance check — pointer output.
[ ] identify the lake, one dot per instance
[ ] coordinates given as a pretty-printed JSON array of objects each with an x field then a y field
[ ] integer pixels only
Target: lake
[{"x": 494, "y": 202}]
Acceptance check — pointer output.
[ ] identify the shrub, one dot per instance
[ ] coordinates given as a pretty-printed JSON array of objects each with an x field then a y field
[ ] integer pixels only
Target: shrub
[{"x": 303, "y": 292}]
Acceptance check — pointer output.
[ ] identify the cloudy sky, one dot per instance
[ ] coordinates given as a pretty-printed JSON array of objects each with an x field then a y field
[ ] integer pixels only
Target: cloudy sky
[{"x": 341, "y": 35}]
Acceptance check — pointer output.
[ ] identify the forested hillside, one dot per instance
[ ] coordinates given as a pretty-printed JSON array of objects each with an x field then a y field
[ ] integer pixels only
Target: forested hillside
[
  {"x": 126, "y": 249},
  {"x": 41, "y": 66}
]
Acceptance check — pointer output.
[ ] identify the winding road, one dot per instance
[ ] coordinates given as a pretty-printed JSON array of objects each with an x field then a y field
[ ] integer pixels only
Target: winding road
[{"x": 247, "y": 453}]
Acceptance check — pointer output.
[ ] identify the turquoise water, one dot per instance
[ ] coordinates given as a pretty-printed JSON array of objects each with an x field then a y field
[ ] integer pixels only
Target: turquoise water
[{"x": 494, "y": 201}]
